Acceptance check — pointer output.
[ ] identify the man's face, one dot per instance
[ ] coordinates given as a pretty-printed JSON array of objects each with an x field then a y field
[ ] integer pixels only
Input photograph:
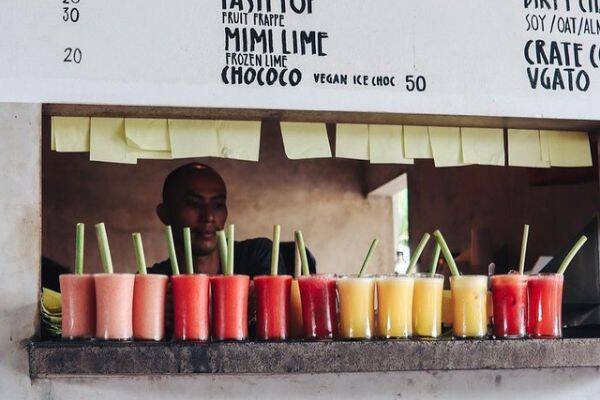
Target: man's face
[{"x": 197, "y": 200}]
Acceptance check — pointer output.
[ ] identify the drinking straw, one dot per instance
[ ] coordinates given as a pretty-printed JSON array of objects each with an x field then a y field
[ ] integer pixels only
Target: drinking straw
[
  {"x": 297, "y": 262},
  {"x": 446, "y": 251},
  {"x": 565, "y": 263},
  {"x": 187, "y": 249},
  {"x": 139, "y": 254},
  {"x": 79, "y": 248},
  {"x": 222, "y": 243},
  {"x": 172, "y": 254},
  {"x": 417, "y": 253},
  {"x": 436, "y": 258},
  {"x": 367, "y": 259},
  {"x": 302, "y": 250},
  {"x": 104, "y": 249},
  {"x": 275, "y": 251},
  {"x": 230, "y": 245},
  {"x": 523, "y": 249}
]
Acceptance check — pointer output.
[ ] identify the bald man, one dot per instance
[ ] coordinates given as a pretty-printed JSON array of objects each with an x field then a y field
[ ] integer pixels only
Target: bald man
[{"x": 195, "y": 196}]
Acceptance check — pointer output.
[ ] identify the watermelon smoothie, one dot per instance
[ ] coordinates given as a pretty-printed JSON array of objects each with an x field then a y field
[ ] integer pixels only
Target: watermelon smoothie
[
  {"x": 191, "y": 307},
  {"x": 78, "y": 296}
]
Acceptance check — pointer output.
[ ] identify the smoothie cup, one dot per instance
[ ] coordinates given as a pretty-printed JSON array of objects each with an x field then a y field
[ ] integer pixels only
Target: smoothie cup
[
  {"x": 149, "y": 293},
  {"x": 319, "y": 314},
  {"x": 114, "y": 306},
  {"x": 230, "y": 307},
  {"x": 427, "y": 305},
  {"x": 469, "y": 303},
  {"x": 395, "y": 306},
  {"x": 191, "y": 307},
  {"x": 544, "y": 292},
  {"x": 357, "y": 311},
  {"x": 509, "y": 299},
  {"x": 272, "y": 306},
  {"x": 295, "y": 318},
  {"x": 78, "y": 306}
]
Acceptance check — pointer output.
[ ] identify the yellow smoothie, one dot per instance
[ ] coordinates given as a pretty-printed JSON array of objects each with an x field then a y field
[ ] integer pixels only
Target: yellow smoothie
[
  {"x": 357, "y": 311},
  {"x": 427, "y": 305},
  {"x": 395, "y": 306},
  {"x": 469, "y": 302}
]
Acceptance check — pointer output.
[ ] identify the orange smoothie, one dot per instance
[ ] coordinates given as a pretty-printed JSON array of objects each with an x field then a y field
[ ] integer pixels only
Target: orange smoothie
[
  {"x": 357, "y": 311},
  {"x": 395, "y": 304},
  {"x": 114, "y": 306},
  {"x": 427, "y": 305},
  {"x": 78, "y": 306},
  {"x": 295, "y": 321},
  {"x": 469, "y": 303},
  {"x": 149, "y": 293}
]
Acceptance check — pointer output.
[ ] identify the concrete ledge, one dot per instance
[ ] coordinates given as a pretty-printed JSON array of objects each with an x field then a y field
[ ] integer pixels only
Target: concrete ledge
[{"x": 143, "y": 358}]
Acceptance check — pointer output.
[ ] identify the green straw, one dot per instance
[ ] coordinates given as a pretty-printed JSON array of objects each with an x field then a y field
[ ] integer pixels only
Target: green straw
[
  {"x": 302, "y": 250},
  {"x": 417, "y": 254},
  {"x": 139, "y": 254},
  {"x": 571, "y": 254},
  {"x": 523, "y": 249},
  {"x": 446, "y": 251},
  {"x": 187, "y": 248},
  {"x": 79, "y": 248},
  {"x": 275, "y": 251},
  {"x": 104, "y": 249},
  {"x": 171, "y": 247},
  {"x": 222, "y": 243},
  {"x": 436, "y": 258},
  {"x": 367, "y": 259},
  {"x": 230, "y": 245},
  {"x": 297, "y": 263}
]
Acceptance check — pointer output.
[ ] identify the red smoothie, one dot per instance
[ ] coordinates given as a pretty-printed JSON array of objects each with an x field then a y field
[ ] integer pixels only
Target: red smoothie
[
  {"x": 509, "y": 299},
  {"x": 191, "y": 307},
  {"x": 272, "y": 306},
  {"x": 319, "y": 308},
  {"x": 544, "y": 309},
  {"x": 149, "y": 293},
  {"x": 230, "y": 306}
]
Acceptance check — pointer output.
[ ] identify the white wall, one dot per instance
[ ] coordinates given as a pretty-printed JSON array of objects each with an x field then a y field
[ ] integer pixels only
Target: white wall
[{"x": 20, "y": 249}]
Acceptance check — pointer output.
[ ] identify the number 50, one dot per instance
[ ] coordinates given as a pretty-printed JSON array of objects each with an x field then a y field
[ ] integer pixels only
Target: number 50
[{"x": 417, "y": 83}]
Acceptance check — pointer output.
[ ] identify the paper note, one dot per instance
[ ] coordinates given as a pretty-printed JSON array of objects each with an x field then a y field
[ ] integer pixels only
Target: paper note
[
  {"x": 239, "y": 140},
  {"x": 71, "y": 134},
  {"x": 352, "y": 141},
  {"x": 483, "y": 146},
  {"x": 305, "y": 140},
  {"x": 149, "y": 155},
  {"x": 416, "y": 142},
  {"x": 569, "y": 149},
  {"x": 193, "y": 138},
  {"x": 147, "y": 134},
  {"x": 386, "y": 145},
  {"x": 446, "y": 146},
  {"x": 524, "y": 149},
  {"x": 545, "y": 145},
  {"x": 107, "y": 141}
]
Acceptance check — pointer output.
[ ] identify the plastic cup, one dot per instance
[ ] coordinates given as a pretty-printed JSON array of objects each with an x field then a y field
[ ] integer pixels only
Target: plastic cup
[
  {"x": 357, "y": 310},
  {"x": 509, "y": 299},
  {"x": 272, "y": 306},
  {"x": 114, "y": 306},
  {"x": 191, "y": 307},
  {"x": 149, "y": 293},
  {"x": 78, "y": 298},
  {"x": 295, "y": 329},
  {"x": 230, "y": 307},
  {"x": 394, "y": 306},
  {"x": 544, "y": 292},
  {"x": 427, "y": 305},
  {"x": 319, "y": 316},
  {"x": 469, "y": 304}
]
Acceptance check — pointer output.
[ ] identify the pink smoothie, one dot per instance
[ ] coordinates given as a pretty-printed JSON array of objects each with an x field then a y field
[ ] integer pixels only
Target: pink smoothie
[
  {"x": 149, "y": 307},
  {"x": 78, "y": 306},
  {"x": 114, "y": 306}
]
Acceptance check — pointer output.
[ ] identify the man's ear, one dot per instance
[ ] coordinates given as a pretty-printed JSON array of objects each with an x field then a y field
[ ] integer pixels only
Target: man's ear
[{"x": 161, "y": 212}]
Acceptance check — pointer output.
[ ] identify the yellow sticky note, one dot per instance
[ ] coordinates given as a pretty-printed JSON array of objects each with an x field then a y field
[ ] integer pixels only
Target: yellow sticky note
[
  {"x": 570, "y": 149},
  {"x": 71, "y": 134},
  {"x": 147, "y": 134},
  {"x": 524, "y": 149},
  {"x": 239, "y": 140},
  {"x": 107, "y": 141},
  {"x": 193, "y": 138},
  {"x": 305, "y": 140},
  {"x": 352, "y": 141},
  {"x": 149, "y": 154},
  {"x": 446, "y": 146},
  {"x": 483, "y": 146},
  {"x": 52, "y": 139},
  {"x": 386, "y": 145},
  {"x": 545, "y": 145},
  {"x": 416, "y": 142}
]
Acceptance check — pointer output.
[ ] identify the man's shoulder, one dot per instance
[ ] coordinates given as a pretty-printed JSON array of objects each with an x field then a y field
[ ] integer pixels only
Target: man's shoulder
[
  {"x": 259, "y": 242},
  {"x": 161, "y": 268}
]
